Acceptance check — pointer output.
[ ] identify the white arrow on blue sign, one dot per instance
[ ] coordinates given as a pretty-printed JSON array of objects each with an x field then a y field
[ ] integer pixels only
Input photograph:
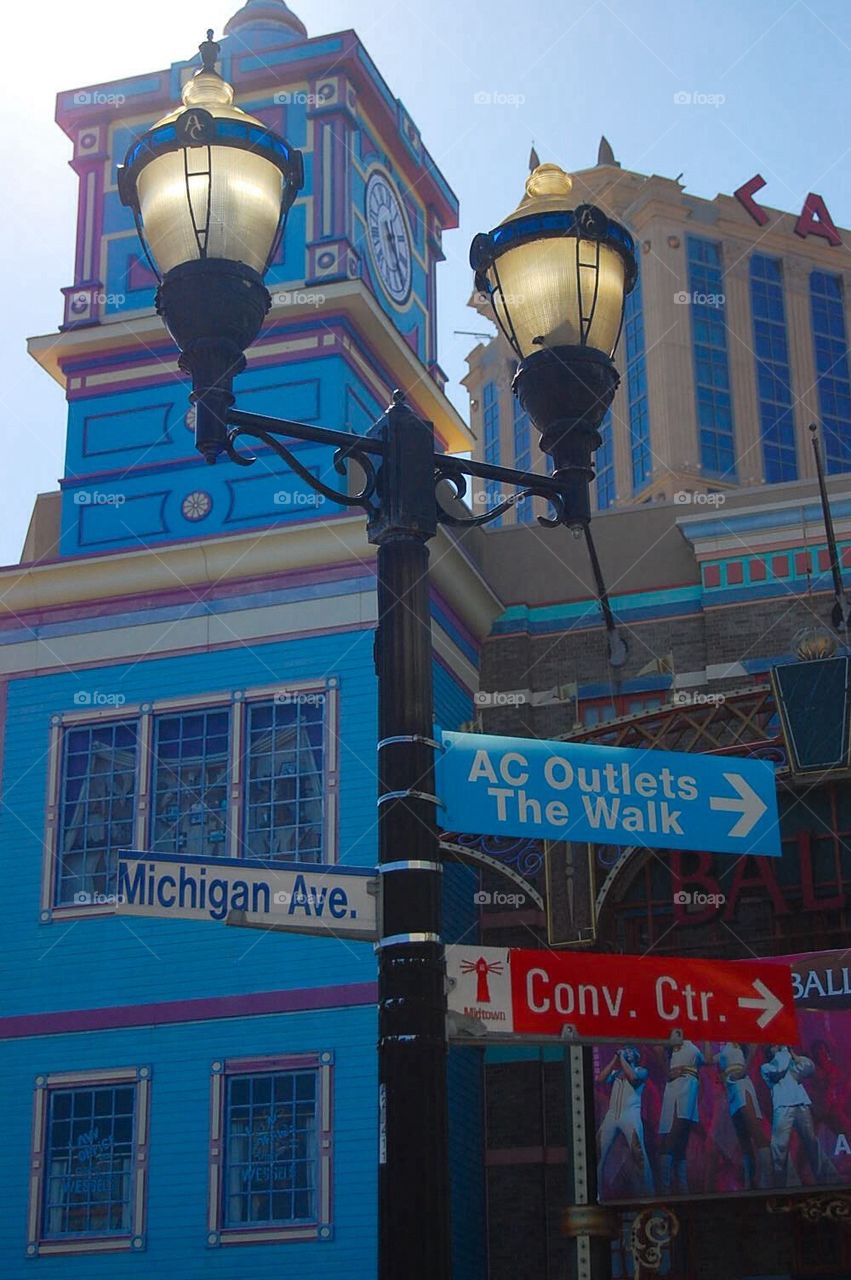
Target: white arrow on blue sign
[{"x": 607, "y": 795}]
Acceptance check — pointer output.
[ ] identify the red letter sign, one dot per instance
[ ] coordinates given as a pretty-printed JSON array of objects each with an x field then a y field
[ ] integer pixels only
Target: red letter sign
[
  {"x": 744, "y": 194},
  {"x": 816, "y": 221}
]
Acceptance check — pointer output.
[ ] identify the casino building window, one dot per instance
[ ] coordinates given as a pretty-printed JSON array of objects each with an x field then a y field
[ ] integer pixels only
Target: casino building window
[
  {"x": 636, "y": 388},
  {"x": 490, "y": 417},
  {"x": 604, "y": 465},
  {"x": 830, "y": 341},
  {"x": 271, "y": 1149},
  {"x": 522, "y": 430},
  {"x": 253, "y": 777},
  {"x": 773, "y": 376},
  {"x": 711, "y": 371},
  {"x": 89, "y": 1161}
]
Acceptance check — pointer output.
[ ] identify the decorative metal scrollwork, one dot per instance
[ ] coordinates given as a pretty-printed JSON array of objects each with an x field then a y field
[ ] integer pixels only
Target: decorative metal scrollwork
[
  {"x": 652, "y": 1231},
  {"x": 815, "y": 1209},
  {"x": 342, "y": 456},
  {"x": 454, "y": 473}
]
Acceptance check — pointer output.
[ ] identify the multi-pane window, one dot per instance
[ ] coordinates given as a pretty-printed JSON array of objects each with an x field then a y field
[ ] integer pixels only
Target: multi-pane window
[
  {"x": 271, "y": 1152},
  {"x": 96, "y": 805},
  {"x": 604, "y": 463},
  {"x": 636, "y": 385},
  {"x": 711, "y": 369},
  {"x": 271, "y": 1149},
  {"x": 773, "y": 375},
  {"x": 88, "y": 1161},
  {"x": 832, "y": 375},
  {"x": 190, "y": 782},
  {"x": 284, "y": 772},
  {"x": 88, "y": 1164},
  {"x": 522, "y": 431},
  {"x": 255, "y": 778},
  {"x": 490, "y": 419}
]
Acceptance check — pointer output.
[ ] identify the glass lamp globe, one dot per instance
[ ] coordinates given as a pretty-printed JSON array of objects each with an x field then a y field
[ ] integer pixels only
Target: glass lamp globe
[{"x": 208, "y": 180}]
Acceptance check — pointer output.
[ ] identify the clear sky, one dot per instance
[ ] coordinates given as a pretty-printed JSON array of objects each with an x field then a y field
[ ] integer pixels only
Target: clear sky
[{"x": 482, "y": 80}]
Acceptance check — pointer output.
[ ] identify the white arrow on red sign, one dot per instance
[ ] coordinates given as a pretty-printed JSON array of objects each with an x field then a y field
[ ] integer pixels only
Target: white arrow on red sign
[{"x": 542, "y": 995}]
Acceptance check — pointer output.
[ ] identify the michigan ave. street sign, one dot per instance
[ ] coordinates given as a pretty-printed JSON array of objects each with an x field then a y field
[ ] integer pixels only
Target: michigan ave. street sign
[
  {"x": 606, "y": 795},
  {"x": 303, "y": 897},
  {"x": 540, "y": 995}
]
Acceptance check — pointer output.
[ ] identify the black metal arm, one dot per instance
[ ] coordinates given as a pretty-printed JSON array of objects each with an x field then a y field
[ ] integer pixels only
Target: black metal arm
[{"x": 454, "y": 471}]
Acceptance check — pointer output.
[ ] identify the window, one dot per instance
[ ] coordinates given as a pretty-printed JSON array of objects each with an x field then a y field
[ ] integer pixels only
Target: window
[
  {"x": 253, "y": 778},
  {"x": 284, "y": 771},
  {"x": 89, "y": 1161},
  {"x": 605, "y": 465},
  {"x": 832, "y": 376},
  {"x": 709, "y": 344},
  {"x": 271, "y": 1149},
  {"x": 490, "y": 398},
  {"x": 522, "y": 431},
  {"x": 773, "y": 376},
  {"x": 96, "y": 805},
  {"x": 636, "y": 386},
  {"x": 191, "y": 783}
]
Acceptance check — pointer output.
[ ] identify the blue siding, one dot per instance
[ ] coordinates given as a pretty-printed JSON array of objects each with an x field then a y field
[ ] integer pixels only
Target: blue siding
[
  {"x": 181, "y": 1058},
  {"x": 604, "y": 462},
  {"x": 467, "y": 1172},
  {"x": 636, "y": 386},
  {"x": 106, "y": 961}
]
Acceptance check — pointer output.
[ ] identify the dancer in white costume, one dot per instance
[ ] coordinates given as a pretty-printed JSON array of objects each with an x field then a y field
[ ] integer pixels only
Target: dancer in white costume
[
  {"x": 792, "y": 1109},
  {"x": 745, "y": 1113},
  {"x": 679, "y": 1114},
  {"x": 626, "y": 1078}
]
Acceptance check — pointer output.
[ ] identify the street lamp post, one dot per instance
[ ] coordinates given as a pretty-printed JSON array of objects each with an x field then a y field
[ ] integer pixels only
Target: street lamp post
[{"x": 210, "y": 188}]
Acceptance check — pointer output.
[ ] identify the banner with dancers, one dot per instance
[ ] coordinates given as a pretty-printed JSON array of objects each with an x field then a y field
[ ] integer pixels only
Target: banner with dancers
[{"x": 720, "y": 1119}]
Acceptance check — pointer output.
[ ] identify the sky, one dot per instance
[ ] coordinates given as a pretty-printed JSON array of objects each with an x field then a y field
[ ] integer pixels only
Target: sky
[{"x": 767, "y": 82}]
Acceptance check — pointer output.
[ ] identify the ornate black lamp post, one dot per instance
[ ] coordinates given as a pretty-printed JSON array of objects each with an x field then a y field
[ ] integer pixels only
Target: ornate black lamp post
[{"x": 210, "y": 188}]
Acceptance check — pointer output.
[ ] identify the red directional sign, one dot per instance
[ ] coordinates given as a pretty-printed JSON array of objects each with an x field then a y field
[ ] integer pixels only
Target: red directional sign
[{"x": 544, "y": 994}]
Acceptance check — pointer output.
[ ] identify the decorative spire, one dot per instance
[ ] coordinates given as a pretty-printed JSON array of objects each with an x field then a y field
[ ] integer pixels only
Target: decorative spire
[
  {"x": 534, "y": 159},
  {"x": 605, "y": 154},
  {"x": 272, "y": 18}
]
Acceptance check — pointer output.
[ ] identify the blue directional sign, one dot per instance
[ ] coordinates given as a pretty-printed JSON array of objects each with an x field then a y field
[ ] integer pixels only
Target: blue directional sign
[{"x": 607, "y": 795}]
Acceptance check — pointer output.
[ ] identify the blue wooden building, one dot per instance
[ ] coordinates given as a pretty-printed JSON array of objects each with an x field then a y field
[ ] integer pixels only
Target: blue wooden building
[{"x": 186, "y": 667}]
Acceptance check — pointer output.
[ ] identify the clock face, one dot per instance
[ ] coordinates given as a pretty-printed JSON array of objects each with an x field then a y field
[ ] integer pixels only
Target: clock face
[{"x": 389, "y": 242}]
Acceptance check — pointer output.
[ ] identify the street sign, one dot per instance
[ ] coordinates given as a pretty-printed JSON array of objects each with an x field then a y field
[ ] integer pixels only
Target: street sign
[
  {"x": 607, "y": 795},
  {"x": 297, "y": 896},
  {"x": 541, "y": 995}
]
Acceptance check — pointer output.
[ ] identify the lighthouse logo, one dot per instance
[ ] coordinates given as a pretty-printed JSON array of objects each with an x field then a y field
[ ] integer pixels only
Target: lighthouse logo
[
  {"x": 480, "y": 985},
  {"x": 481, "y": 968}
]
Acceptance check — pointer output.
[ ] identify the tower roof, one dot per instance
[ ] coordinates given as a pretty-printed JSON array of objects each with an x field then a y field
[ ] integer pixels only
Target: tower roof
[{"x": 268, "y": 16}]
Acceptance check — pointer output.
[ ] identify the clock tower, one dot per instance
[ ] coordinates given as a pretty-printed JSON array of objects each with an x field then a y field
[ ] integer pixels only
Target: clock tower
[{"x": 352, "y": 286}]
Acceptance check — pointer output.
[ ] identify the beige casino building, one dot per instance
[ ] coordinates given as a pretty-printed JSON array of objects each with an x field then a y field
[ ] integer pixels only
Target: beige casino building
[{"x": 735, "y": 339}]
